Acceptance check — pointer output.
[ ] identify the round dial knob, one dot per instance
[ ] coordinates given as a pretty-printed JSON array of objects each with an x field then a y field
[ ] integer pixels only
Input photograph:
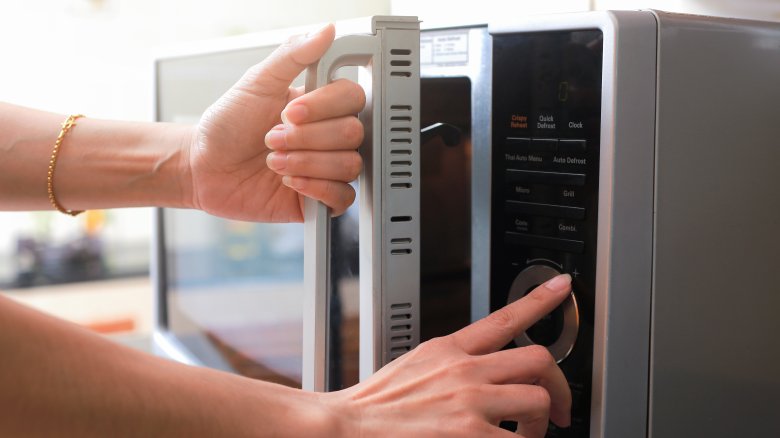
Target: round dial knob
[{"x": 558, "y": 330}]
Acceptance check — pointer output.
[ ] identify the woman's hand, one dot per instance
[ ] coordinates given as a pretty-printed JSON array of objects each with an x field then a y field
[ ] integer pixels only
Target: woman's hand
[
  {"x": 462, "y": 385},
  {"x": 246, "y": 164}
]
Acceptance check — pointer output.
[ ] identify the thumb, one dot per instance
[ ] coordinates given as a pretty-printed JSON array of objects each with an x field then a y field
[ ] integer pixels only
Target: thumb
[{"x": 276, "y": 73}]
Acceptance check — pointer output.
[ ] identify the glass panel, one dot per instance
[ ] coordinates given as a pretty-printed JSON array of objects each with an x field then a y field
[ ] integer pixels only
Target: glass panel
[
  {"x": 234, "y": 293},
  {"x": 344, "y": 340},
  {"x": 445, "y": 210}
]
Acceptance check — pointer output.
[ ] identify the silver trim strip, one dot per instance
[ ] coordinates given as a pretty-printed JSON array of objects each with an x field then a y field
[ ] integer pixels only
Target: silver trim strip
[{"x": 482, "y": 153}]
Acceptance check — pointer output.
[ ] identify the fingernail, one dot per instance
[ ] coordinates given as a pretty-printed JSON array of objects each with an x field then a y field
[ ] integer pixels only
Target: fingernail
[
  {"x": 276, "y": 160},
  {"x": 295, "y": 114},
  {"x": 559, "y": 283},
  {"x": 293, "y": 183},
  {"x": 276, "y": 137}
]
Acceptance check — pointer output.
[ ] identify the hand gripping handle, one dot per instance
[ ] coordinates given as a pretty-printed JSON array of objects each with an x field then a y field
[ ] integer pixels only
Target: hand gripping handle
[{"x": 391, "y": 55}]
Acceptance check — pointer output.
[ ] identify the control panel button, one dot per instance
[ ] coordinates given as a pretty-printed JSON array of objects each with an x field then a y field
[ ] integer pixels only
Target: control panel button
[
  {"x": 545, "y": 226},
  {"x": 569, "y": 195},
  {"x": 542, "y": 177},
  {"x": 521, "y": 192},
  {"x": 545, "y": 242},
  {"x": 568, "y": 323},
  {"x": 519, "y": 224},
  {"x": 569, "y": 229},
  {"x": 534, "y": 209},
  {"x": 572, "y": 146},
  {"x": 544, "y": 145},
  {"x": 521, "y": 143},
  {"x": 548, "y": 329},
  {"x": 568, "y": 163},
  {"x": 527, "y": 160},
  {"x": 545, "y": 194},
  {"x": 545, "y": 118}
]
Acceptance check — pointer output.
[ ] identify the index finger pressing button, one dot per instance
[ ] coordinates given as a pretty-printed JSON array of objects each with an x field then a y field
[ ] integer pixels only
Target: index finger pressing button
[
  {"x": 497, "y": 329},
  {"x": 558, "y": 330}
]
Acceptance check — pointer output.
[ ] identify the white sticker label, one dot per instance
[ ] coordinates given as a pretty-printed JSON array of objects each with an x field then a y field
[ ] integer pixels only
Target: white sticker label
[{"x": 449, "y": 48}]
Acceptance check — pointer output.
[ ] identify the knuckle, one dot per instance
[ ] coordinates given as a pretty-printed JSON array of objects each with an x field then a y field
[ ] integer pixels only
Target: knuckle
[
  {"x": 355, "y": 165},
  {"x": 465, "y": 396},
  {"x": 352, "y": 131},
  {"x": 432, "y": 346},
  {"x": 350, "y": 195},
  {"x": 348, "y": 198},
  {"x": 329, "y": 189},
  {"x": 427, "y": 347},
  {"x": 287, "y": 46},
  {"x": 294, "y": 137},
  {"x": 254, "y": 72},
  {"x": 539, "y": 353},
  {"x": 469, "y": 423},
  {"x": 463, "y": 366},
  {"x": 357, "y": 95},
  {"x": 539, "y": 398},
  {"x": 351, "y": 92},
  {"x": 298, "y": 161}
]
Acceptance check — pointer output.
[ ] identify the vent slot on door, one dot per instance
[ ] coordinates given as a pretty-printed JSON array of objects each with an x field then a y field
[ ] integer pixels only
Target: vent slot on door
[{"x": 400, "y": 338}]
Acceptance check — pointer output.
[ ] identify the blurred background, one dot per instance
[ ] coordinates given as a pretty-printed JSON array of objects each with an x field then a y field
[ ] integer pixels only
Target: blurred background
[{"x": 95, "y": 57}]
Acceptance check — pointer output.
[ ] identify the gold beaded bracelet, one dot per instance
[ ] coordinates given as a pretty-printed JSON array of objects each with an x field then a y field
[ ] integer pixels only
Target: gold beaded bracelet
[{"x": 66, "y": 125}]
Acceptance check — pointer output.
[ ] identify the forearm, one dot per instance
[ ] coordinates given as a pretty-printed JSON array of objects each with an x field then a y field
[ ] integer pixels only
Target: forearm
[
  {"x": 57, "y": 379},
  {"x": 101, "y": 164}
]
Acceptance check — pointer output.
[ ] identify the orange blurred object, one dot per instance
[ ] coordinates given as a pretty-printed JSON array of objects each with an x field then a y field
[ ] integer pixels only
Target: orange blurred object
[
  {"x": 112, "y": 326},
  {"x": 94, "y": 221}
]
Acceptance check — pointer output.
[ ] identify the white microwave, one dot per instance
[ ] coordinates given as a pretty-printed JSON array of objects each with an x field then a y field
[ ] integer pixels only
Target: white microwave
[{"x": 635, "y": 150}]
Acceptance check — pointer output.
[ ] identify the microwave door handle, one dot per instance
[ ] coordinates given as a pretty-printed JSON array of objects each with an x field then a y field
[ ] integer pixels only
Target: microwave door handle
[
  {"x": 350, "y": 50},
  {"x": 392, "y": 37}
]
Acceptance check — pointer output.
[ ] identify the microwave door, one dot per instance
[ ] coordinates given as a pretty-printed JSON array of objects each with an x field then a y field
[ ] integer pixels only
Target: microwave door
[{"x": 388, "y": 206}]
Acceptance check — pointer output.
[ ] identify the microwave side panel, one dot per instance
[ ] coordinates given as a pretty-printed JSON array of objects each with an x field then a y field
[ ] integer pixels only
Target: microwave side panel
[{"x": 715, "y": 355}]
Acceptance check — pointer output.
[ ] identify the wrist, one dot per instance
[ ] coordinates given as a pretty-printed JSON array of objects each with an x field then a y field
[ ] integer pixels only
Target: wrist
[
  {"x": 186, "y": 195},
  {"x": 172, "y": 171},
  {"x": 291, "y": 412},
  {"x": 332, "y": 419},
  {"x": 110, "y": 164},
  {"x": 341, "y": 418}
]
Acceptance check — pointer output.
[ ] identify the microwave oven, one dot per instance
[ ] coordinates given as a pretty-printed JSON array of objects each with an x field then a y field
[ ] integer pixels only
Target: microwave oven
[{"x": 635, "y": 150}]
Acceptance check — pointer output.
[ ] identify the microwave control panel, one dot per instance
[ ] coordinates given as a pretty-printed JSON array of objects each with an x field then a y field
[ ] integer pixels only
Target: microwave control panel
[{"x": 546, "y": 124}]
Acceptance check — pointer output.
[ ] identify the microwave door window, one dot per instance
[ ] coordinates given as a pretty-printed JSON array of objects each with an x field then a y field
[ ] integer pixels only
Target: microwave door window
[{"x": 234, "y": 293}]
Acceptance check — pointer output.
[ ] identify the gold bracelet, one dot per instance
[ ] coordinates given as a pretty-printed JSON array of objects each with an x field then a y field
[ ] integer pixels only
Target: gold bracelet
[{"x": 66, "y": 125}]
